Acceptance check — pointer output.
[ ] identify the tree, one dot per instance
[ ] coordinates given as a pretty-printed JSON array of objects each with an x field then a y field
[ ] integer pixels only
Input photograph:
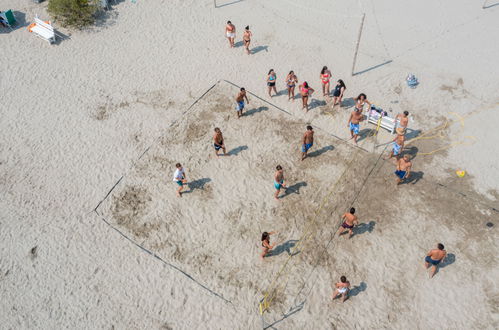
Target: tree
[{"x": 74, "y": 13}]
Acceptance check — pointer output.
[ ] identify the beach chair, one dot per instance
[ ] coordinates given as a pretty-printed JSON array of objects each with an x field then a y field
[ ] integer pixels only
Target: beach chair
[
  {"x": 42, "y": 29},
  {"x": 8, "y": 18},
  {"x": 378, "y": 119}
]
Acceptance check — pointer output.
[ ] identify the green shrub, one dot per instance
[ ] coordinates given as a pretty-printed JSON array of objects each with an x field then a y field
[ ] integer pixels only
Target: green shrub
[{"x": 74, "y": 13}]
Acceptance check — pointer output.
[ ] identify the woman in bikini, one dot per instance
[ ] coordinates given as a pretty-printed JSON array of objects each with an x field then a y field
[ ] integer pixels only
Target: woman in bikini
[
  {"x": 266, "y": 243},
  {"x": 325, "y": 77},
  {"x": 291, "y": 80},
  {"x": 247, "y": 39},
  {"x": 360, "y": 101},
  {"x": 339, "y": 89},
  {"x": 271, "y": 78},
  {"x": 305, "y": 92}
]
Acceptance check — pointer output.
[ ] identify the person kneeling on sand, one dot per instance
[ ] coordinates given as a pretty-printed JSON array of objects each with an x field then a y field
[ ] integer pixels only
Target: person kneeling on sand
[
  {"x": 266, "y": 243},
  {"x": 342, "y": 287},
  {"x": 403, "y": 169},
  {"x": 434, "y": 257},
  {"x": 180, "y": 178},
  {"x": 240, "y": 102},
  {"x": 349, "y": 221},
  {"x": 279, "y": 181}
]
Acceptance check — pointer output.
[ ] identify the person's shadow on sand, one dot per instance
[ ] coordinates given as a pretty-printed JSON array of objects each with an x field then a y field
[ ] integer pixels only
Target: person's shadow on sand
[
  {"x": 285, "y": 247},
  {"x": 449, "y": 260},
  {"x": 196, "y": 184},
  {"x": 363, "y": 227},
  {"x": 294, "y": 189},
  {"x": 320, "y": 151},
  {"x": 354, "y": 291},
  {"x": 414, "y": 177},
  {"x": 259, "y": 49},
  {"x": 253, "y": 111},
  {"x": 364, "y": 133},
  {"x": 237, "y": 150}
]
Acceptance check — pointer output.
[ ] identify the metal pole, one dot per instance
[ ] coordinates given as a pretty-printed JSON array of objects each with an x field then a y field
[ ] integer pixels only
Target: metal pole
[{"x": 358, "y": 42}]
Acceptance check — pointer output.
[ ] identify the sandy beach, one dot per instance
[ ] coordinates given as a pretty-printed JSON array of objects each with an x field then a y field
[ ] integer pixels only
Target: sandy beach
[{"x": 93, "y": 236}]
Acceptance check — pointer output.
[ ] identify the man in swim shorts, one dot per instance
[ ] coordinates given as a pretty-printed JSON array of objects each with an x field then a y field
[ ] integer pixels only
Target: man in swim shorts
[
  {"x": 403, "y": 169},
  {"x": 403, "y": 121},
  {"x": 230, "y": 33},
  {"x": 240, "y": 102},
  {"x": 307, "y": 142},
  {"x": 179, "y": 177},
  {"x": 279, "y": 181},
  {"x": 218, "y": 141},
  {"x": 354, "y": 124},
  {"x": 349, "y": 221},
  {"x": 397, "y": 147},
  {"x": 342, "y": 287},
  {"x": 434, "y": 257}
]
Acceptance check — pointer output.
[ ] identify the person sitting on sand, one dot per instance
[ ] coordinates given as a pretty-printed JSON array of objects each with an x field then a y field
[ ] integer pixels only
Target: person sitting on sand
[
  {"x": 240, "y": 102},
  {"x": 354, "y": 124},
  {"x": 271, "y": 79},
  {"x": 307, "y": 142},
  {"x": 403, "y": 121},
  {"x": 339, "y": 89},
  {"x": 291, "y": 80},
  {"x": 279, "y": 181},
  {"x": 325, "y": 78},
  {"x": 342, "y": 288},
  {"x": 218, "y": 141},
  {"x": 435, "y": 257},
  {"x": 247, "y": 39},
  {"x": 349, "y": 221},
  {"x": 266, "y": 247},
  {"x": 403, "y": 169},
  {"x": 305, "y": 92},
  {"x": 230, "y": 33},
  {"x": 180, "y": 178}
]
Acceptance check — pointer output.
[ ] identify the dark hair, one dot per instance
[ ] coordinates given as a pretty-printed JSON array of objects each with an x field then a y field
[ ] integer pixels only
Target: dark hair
[
  {"x": 217, "y": 129},
  {"x": 309, "y": 128},
  {"x": 290, "y": 72},
  {"x": 360, "y": 95},
  {"x": 343, "y": 279},
  {"x": 440, "y": 246},
  {"x": 352, "y": 210},
  {"x": 305, "y": 84},
  {"x": 278, "y": 167},
  {"x": 229, "y": 22},
  {"x": 342, "y": 83},
  {"x": 242, "y": 89},
  {"x": 406, "y": 113},
  {"x": 324, "y": 68},
  {"x": 265, "y": 236},
  {"x": 270, "y": 71},
  {"x": 178, "y": 165},
  {"x": 247, "y": 27}
]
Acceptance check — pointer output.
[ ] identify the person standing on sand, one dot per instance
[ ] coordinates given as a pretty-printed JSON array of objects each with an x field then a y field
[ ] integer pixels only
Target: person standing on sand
[
  {"x": 403, "y": 169},
  {"x": 349, "y": 221},
  {"x": 342, "y": 287},
  {"x": 397, "y": 147},
  {"x": 325, "y": 78},
  {"x": 271, "y": 79},
  {"x": 230, "y": 33},
  {"x": 403, "y": 121},
  {"x": 360, "y": 101},
  {"x": 279, "y": 181},
  {"x": 354, "y": 124},
  {"x": 291, "y": 80},
  {"x": 240, "y": 102},
  {"x": 339, "y": 89},
  {"x": 180, "y": 178},
  {"x": 307, "y": 142},
  {"x": 266, "y": 243},
  {"x": 434, "y": 257},
  {"x": 218, "y": 141},
  {"x": 247, "y": 39},
  {"x": 305, "y": 92}
]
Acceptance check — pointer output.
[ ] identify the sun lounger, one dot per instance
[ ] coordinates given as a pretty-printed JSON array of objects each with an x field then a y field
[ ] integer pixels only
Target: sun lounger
[
  {"x": 8, "y": 18},
  {"x": 43, "y": 29},
  {"x": 378, "y": 119}
]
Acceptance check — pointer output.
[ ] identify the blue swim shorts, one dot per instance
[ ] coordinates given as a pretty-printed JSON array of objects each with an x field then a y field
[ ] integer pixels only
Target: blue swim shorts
[
  {"x": 396, "y": 149},
  {"x": 180, "y": 183},
  {"x": 400, "y": 174},
  {"x": 217, "y": 146},
  {"x": 431, "y": 261},
  {"x": 240, "y": 106},
  {"x": 278, "y": 185},
  {"x": 355, "y": 128},
  {"x": 306, "y": 146}
]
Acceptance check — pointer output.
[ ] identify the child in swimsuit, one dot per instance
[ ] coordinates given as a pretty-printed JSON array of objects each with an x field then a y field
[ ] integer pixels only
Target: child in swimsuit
[
  {"x": 271, "y": 78},
  {"x": 342, "y": 288},
  {"x": 266, "y": 243}
]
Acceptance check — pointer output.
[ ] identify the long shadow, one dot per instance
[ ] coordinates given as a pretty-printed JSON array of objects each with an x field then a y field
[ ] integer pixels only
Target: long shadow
[
  {"x": 362, "y": 228},
  {"x": 372, "y": 68},
  {"x": 259, "y": 49},
  {"x": 357, "y": 289},
  {"x": 227, "y": 4},
  {"x": 411, "y": 151},
  {"x": 315, "y": 103},
  {"x": 294, "y": 189},
  {"x": 449, "y": 260},
  {"x": 412, "y": 133},
  {"x": 20, "y": 21},
  {"x": 253, "y": 111},
  {"x": 238, "y": 44},
  {"x": 285, "y": 247},
  {"x": 364, "y": 133},
  {"x": 320, "y": 151},
  {"x": 237, "y": 150},
  {"x": 347, "y": 103},
  {"x": 282, "y": 92},
  {"x": 196, "y": 184},
  {"x": 414, "y": 177}
]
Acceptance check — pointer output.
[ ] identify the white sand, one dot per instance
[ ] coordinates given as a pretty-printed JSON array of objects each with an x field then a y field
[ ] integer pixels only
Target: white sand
[{"x": 76, "y": 116}]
